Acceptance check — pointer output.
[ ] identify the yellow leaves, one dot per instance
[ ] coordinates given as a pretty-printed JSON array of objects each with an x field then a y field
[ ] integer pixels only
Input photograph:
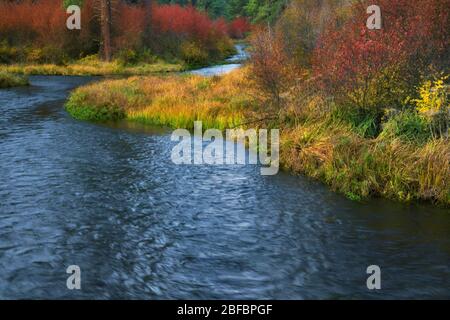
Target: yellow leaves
[{"x": 433, "y": 97}]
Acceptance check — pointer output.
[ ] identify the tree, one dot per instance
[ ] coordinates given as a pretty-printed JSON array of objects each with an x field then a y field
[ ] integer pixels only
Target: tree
[
  {"x": 270, "y": 69},
  {"x": 148, "y": 21},
  {"x": 105, "y": 17}
]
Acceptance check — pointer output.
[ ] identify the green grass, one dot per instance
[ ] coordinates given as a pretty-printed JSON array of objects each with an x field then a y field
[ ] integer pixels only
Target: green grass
[
  {"x": 8, "y": 80},
  {"x": 81, "y": 110}
]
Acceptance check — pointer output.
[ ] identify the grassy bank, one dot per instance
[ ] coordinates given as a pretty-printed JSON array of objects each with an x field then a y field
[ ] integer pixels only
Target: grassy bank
[
  {"x": 360, "y": 167},
  {"x": 321, "y": 145},
  {"x": 8, "y": 80},
  {"x": 173, "y": 101},
  {"x": 92, "y": 66}
]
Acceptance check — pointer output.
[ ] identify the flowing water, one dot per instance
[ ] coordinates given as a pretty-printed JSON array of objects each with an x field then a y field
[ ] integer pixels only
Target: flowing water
[
  {"x": 233, "y": 63},
  {"x": 109, "y": 199}
]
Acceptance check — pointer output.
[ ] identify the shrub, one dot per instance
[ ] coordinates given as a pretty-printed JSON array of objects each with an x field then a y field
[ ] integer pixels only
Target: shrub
[
  {"x": 47, "y": 54},
  {"x": 8, "y": 80},
  {"x": 270, "y": 68},
  {"x": 40, "y": 25},
  {"x": 364, "y": 122},
  {"x": 407, "y": 125},
  {"x": 225, "y": 48},
  {"x": 180, "y": 32},
  {"x": 193, "y": 54},
  {"x": 352, "y": 59},
  {"x": 127, "y": 57},
  {"x": 433, "y": 104},
  {"x": 8, "y": 54},
  {"x": 146, "y": 56},
  {"x": 301, "y": 24},
  {"x": 239, "y": 28}
]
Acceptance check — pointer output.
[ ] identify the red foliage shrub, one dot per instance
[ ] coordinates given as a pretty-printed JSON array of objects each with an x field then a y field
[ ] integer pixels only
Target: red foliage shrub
[
  {"x": 186, "y": 23},
  {"x": 238, "y": 28},
  {"x": 44, "y": 20},
  {"x": 221, "y": 27},
  {"x": 414, "y": 35},
  {"x": 172, "y": 25},
  {"x": 183, "y": 21},
  {"x": 128, "y": 26},
  {"x": 42, "y": 23}
]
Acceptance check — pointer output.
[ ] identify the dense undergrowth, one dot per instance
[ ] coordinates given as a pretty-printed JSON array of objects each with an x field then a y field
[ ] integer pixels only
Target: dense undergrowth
[{"x": 34, "y": 33}]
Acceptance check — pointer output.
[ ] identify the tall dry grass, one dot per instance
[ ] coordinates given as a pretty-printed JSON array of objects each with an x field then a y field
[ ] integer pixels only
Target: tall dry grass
[{"x": 174, "y": 101}]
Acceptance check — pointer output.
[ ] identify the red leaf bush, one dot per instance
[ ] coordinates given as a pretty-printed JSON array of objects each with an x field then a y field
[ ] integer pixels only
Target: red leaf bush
[
  {"x": 43, "y": 23},
  {"x": 238, "y": 28},
  {"x": 372, "y": 64}
]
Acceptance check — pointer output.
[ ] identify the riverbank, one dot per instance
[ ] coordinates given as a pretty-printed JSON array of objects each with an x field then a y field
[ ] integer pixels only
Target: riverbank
[
  {"x": 94, "y": 67},
  {"x": 319, "y": 145},
  {"x": 8, "y": 80}
]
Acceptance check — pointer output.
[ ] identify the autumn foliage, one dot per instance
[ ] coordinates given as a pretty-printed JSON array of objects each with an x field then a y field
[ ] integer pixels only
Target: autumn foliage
[
  {"x": 239, "y": 27},
  {"x": 184, "y": 22},
  {"x": 379, "y": 66},
  {"x": 270, "y": 70},
  {"x": 44, "y": 20},
  {"x": 43, "y": 24}
]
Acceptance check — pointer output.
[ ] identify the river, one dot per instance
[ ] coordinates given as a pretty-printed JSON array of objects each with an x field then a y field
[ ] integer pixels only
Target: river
[{"x": 109, "y": 199}]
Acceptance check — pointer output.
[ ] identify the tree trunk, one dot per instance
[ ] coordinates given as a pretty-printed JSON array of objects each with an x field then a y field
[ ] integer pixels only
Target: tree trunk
[
  {"x": 106, "y": 29},
  {"x": 148, "y": 22}
]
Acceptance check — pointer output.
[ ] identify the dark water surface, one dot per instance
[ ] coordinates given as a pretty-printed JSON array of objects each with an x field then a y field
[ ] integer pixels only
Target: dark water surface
[{"x": 111, "y": 201}]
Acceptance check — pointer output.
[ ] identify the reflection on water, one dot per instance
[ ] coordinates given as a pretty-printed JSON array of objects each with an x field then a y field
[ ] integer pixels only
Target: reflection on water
[{"x": 111, "y": 201}]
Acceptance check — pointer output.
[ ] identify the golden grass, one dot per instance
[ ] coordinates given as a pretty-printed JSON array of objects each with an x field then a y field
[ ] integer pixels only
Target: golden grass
[
  {"x": 174, "y": 101},
  {"x": 92, "y": 68},
  {"x": 362, "y": 167}
]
